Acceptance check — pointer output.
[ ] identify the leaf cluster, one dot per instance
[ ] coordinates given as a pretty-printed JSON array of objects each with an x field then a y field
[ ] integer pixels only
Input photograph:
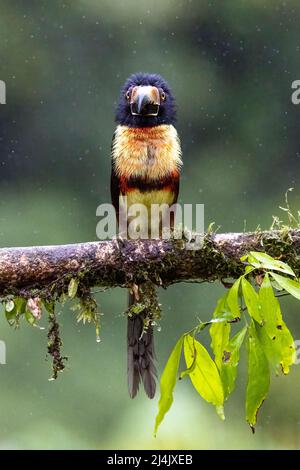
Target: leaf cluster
[{"x": 253, "y": 298}]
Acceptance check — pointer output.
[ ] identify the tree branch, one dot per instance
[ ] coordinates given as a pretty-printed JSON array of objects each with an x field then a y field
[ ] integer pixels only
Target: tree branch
[{"x": 112, "y": 264}]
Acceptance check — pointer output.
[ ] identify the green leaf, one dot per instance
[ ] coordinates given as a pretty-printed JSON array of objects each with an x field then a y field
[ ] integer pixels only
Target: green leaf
[
  {"x": 275, "y": 337},
  {"x": 219, "y": 332},
  {"x": 186, "y": 372},
  {"x": 251, "y": 300},
  {"x": 279, "y": 350},
  {"x": 167, "y": 383},
  {"x": 222, "y": 311},
  {"x": 290, "y": 285},
  {"x": 230, "y": 361},
  {"x": 20, "y": 304},
  {"x": 233, "y": 298},
  {"x": 258, "y": 377},
  {"x": 270, "y": 308},
  {"x": 29, "y": 317},
  {"x": 205, "y": 377},
  {"x": 249, "y": 269},
  {"x": 267, "y": 262},
  {"x": 10, "y": 315},
  {"x": 49, "y": 306},
  {"x": 72, "y": 288},
  {"x": 254, "y": 263},
  {"x": 287, "y": 348}
]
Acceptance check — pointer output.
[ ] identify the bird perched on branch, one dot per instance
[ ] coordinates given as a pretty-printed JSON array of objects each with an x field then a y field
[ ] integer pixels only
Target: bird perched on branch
[{"x": 146, "y": 161}]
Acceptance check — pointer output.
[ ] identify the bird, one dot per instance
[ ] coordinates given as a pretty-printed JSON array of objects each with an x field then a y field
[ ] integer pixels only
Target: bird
[{"x": 146, "y": 159}]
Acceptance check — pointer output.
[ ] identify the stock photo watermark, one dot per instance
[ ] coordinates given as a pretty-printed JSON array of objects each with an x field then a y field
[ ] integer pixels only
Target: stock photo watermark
[
  {"x": 154, "y": 221},
  {"x": 295, "y": 96},
  {"x": 2, "y": 353},
  {"x": 2, "y": 92},
  {"x": 297, "y": 351}
]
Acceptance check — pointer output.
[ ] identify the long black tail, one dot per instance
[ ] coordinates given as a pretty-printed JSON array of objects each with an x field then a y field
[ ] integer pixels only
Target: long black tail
[{"x": 141, "y": 354}]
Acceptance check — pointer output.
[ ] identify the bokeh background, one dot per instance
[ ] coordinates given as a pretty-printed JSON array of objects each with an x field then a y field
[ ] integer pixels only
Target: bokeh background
[{"x": 231, "y": 65}]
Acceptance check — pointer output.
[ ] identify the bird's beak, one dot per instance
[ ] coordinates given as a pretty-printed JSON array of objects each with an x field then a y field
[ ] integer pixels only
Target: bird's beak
[{"x": 145, "y": 101}]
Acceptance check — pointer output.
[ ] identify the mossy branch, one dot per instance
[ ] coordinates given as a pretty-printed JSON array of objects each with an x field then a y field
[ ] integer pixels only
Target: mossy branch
[{"x": 48, "y": 269}]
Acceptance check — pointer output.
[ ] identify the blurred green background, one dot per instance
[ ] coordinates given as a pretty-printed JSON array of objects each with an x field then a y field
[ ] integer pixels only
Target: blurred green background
[{"x": 231, "y": 65}]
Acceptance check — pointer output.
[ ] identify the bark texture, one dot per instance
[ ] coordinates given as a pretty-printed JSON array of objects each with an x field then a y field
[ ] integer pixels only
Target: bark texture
[{"x": 165, "y": 262}]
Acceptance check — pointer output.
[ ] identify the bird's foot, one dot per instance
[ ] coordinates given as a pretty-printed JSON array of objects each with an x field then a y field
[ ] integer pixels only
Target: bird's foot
[{"x": 119, "y": 240}]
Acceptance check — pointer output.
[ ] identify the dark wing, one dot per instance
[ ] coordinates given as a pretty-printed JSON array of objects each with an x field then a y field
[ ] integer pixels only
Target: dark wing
[
  {"x": 175, "y": 187},
  {"x": 175, "y": 190},
  {"x": 115, "y": 190}
]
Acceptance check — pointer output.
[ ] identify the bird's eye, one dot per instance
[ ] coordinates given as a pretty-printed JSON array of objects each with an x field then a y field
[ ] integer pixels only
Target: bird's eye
[
  {"x": 163, "y": 96},
  {"x": 127, "y": 95}
]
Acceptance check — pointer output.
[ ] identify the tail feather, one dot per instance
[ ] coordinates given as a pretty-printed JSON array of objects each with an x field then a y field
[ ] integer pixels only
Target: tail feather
[{"x": 141, "y": 356}]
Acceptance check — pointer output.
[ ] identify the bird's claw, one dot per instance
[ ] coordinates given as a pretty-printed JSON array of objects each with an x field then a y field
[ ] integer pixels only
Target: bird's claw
[{"x": 119, "y": 240}]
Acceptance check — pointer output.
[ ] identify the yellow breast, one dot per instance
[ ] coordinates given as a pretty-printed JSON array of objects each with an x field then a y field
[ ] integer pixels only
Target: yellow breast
[
  {"x": 146, "y": 198},
  {"x": 150, "y": 152},
  {"x": 145, "y": 221}
]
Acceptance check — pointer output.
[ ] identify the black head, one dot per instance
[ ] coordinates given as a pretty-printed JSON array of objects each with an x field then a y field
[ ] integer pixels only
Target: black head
[{"x": 145, "y": 101}]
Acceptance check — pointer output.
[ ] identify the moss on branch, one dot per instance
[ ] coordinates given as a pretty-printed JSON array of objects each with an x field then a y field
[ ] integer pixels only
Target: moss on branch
[{"x": 47, "y": 271}]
